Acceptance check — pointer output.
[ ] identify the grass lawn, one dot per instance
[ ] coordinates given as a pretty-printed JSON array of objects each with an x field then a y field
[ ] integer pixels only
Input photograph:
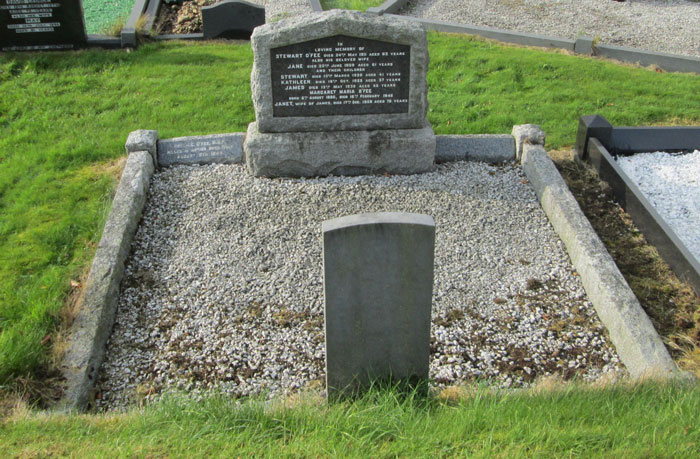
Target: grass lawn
[
  {"x": 64, "y": 118},
  {"x": 649, "y": 420},
  {"x": 359, "y": 5},
  {"x": 100, "y": 15}
]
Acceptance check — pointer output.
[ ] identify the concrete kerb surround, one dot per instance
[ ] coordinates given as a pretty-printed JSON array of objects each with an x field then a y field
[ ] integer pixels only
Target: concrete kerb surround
[
  {"x": 637, "y": 343},
  {"x": 635, "y": 339},
  {"x": 93, "y": 324},
  {"x": 489, "y": 148}
]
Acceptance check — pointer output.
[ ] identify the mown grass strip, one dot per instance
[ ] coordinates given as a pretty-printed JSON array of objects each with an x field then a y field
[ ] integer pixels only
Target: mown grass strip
[
  {"x": 358, "y": 5},
  {"x": 64, "y": 118},
  {"x": 384, "y": 423},
  {"x": 480, "y": 87}
]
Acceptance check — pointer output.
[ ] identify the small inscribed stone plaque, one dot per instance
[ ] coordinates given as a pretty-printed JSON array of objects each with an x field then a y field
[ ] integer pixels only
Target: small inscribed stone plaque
[
  {"x": 217, "y": 148},
  {"x": 340, "y": 75},
  {"x": 36, "y": 25}
]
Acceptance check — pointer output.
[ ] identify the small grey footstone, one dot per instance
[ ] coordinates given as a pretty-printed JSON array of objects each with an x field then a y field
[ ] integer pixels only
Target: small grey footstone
[
  {"x": 202, "y": 149},
  {"x": 378, "y": 283},
  {"x": 309, "y": 154},
  {"x": 482, "y": 147}
]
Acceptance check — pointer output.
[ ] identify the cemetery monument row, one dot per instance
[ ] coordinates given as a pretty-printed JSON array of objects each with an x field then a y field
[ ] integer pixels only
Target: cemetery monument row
[
  {"x": 36, "y": 25},
  {"x": 341, "y": 93}
]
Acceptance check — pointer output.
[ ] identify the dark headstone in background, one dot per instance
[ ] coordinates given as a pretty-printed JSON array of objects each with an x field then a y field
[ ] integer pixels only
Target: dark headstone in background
[
  {"x": 231, "y": 19},
  {"x": 37, "y": 25}
]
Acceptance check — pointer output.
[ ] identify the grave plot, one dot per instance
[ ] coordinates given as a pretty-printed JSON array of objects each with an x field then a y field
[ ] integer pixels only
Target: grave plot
[
  {"x": 224, "y": 287},
  {"x": 655, "y": 177}
]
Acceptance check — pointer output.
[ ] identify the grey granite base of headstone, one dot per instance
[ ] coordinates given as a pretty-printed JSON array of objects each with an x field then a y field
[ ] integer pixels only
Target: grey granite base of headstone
[
  {"x": 231, "y": 19},
  {"x": 309, "y": 154},
  {"x": 378, "y": 283},
  {"x": 203, "y": 149}
]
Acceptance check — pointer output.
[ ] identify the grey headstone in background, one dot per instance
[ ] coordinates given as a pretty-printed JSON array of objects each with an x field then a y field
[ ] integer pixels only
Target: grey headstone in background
[
  {"x": 339, "y": 70},
  {"x": 203, "y": 149},
  {"x": 231, "y": 19},
  {"x": 378, "y": 282},
  {"x": 31, "y": 25}
]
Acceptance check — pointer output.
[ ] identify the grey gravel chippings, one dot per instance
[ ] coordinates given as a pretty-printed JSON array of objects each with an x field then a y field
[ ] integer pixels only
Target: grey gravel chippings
[
  {"x": 667, "y": 26},
  {"x": 224, "y": 287}
]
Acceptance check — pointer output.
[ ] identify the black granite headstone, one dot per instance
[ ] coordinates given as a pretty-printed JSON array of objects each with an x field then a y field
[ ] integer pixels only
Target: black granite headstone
[
  {"x": 36, "y": 25},
  {"x": 340, "y": 75},
  {"x": 231, "y": 19}
]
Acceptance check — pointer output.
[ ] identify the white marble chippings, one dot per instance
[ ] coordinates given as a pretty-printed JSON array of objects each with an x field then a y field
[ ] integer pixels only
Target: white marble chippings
[{"x": 671, "y": 183}]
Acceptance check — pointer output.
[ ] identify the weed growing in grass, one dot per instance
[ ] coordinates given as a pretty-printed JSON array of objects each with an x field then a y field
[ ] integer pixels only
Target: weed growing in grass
[{"x": 115, "y": 29}]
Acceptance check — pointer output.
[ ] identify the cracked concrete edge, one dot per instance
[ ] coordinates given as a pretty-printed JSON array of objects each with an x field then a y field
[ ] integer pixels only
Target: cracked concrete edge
[
  {"x": 637, "y": 343},
  {"x": 93, "y": 323}
]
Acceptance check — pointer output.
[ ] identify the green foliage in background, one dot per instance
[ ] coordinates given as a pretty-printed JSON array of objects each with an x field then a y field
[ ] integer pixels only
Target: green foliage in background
[{"x": 477, "y": 87}]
